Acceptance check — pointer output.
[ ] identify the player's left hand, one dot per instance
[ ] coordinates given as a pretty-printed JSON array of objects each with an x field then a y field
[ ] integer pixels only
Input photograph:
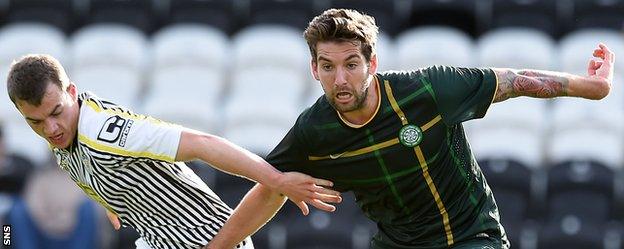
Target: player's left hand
[
  {"x": 114, "y": 220},
  {"x": 303, "y": 189}
]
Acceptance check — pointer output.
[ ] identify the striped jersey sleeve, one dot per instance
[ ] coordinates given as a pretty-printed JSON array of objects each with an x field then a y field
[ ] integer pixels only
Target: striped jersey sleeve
[{"x": 113, "y": 129}]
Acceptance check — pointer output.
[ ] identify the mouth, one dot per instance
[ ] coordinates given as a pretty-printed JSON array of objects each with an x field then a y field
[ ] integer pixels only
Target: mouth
[
  {"x": 57, "y": 139},
  {"x": 343, "y": 97}
]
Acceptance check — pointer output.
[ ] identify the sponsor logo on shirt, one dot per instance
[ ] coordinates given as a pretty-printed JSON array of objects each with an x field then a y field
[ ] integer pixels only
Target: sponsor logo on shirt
[{"x": 115, "y": 130}]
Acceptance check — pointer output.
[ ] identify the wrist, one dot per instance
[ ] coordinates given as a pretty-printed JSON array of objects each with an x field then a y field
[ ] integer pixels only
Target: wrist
[{"x": 275, "y": 181}]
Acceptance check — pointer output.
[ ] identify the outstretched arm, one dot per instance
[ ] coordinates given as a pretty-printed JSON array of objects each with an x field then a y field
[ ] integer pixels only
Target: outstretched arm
[
  {"x": 228, "y": 157},
  {"x": 547, "y": 84}
]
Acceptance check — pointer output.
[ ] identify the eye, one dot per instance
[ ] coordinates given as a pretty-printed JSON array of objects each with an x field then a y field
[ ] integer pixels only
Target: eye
[
  {"x": 326, "y": 67},
  {"x": 56, "y": 114},
  {"x": 34, "y": 122},
  {"x": 352, "y": 65}
]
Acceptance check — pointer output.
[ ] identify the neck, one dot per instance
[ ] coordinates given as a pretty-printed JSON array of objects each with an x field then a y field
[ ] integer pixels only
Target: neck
[{"x": 364, "y": 114}]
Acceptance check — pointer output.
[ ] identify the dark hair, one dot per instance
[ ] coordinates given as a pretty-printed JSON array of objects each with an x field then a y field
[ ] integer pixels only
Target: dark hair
[
  {"x": 342, "y": 25},
  {"x": 30, "y": 75}
]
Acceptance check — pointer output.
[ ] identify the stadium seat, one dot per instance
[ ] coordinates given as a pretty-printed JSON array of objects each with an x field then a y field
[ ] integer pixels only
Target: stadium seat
[
  {"x": 346, "y": 228},
  {"x": 508, "y": 144},
  {"x": 192, "y": 95},
  {"x": 541, "y": 15},
  {"x": 22, "y": 140},
  {"x": 597, "y": 14},
  {"x": 603, "y": 116},
  {"x": 580, "y": 188},
  {"x": 190, "y": 45},
  {"x": 109, "y": 44},
  {"x": 59, "y": 13},
  {"x": 110, "y": 57},
  {"x": 19, "y": 39},
  {"x": 221, "y": 14},
  {"x": 458, "y": 14},
  {"x": 273, "y": 234},
  {"x": 511, "y": 130},
  {"x": 270, "y": 46},
  {"x": 520, "y": 113},
  {"x": 437, "y": 45},
  {"x": 259, "y": 138},
  {"x": 583, "y": 144},
  {"x": 385, "y": 13},
  {"x": 295, "y": 14},
  {"x": 315, "y": 90},
  {"x": 265, "y": 95},
  {"x": 137, "y": 13},
  {"x": 570, "y": 233},
  {"x": 579, "y": 204},
  {"x": 320, "y": 230},
  {"x": 614, "y": 236},
  {"x": 4, "y": 6},
  {"x": 514, "y": 47},
  {"x": 231, "y": 189},
  {"x": 386, "y": 53},
  {"x": 118, "y": 85}
]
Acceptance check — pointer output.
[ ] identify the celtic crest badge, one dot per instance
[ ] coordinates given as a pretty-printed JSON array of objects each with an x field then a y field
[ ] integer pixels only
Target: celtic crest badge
[{"x": 410, "y": 135}]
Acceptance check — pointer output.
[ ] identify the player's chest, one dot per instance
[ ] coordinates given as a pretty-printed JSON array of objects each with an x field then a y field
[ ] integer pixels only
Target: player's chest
[
  {"x": 370, "y": 155},
  {"x": 79, "y": 165}
]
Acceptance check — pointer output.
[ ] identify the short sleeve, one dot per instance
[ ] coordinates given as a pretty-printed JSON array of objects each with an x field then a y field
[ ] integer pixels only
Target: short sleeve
[
  {"x": 120, "y": 132},
  {"x": 155, "y": 139},
  {"x": 461, "y": 93}
]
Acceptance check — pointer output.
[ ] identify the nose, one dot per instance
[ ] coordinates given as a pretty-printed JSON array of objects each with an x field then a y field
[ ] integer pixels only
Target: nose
[
  {"x": 341, "y": 77},
  {"x": 49, "y": 127}
]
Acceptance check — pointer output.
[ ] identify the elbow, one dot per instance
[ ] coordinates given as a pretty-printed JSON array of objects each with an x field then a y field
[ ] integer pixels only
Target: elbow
[{"x": 602, "y": 90}]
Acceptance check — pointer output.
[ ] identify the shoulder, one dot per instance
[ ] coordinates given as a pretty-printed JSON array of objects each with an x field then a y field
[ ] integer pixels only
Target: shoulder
[
  {"x": 402, "y": 82},
  {"x": 320, "y": 114},
  {"x": 443, "y": 72},
  {"x": 100, "y": 118}
]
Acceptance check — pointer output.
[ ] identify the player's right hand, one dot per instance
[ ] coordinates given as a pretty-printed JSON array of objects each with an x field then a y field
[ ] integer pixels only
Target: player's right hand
[
  {"x": 114, "y": 220},
  {"x": 303, "y": 189},
  {"x": 602, "y": 68}
]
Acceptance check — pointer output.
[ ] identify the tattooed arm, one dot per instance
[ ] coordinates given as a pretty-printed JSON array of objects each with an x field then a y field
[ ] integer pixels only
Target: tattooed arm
[{"x": 547, "y": 84}]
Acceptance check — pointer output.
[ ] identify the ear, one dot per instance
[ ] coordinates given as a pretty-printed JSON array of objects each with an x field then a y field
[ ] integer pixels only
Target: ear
[
  {"x": 72, "y": 91},
  {"x": 314, "y": 69},
  {"x": 372, "y": 69}
]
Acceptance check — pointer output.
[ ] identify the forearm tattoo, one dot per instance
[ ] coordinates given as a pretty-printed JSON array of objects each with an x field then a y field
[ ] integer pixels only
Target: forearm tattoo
[{"x": 530, "y": 83}]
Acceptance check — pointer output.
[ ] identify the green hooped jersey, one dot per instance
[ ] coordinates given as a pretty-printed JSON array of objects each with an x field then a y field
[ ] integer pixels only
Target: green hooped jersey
[{"x": 410, "y": 167}]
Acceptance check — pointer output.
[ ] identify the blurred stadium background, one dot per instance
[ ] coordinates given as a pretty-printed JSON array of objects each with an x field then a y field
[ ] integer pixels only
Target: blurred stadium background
[{"x": 239, "y": 69}]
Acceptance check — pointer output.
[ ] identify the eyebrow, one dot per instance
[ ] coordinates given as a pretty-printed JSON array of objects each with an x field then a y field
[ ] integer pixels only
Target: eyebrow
[
  {"x": 321, "y": 58},
  {"x": 53, "y": 111}
]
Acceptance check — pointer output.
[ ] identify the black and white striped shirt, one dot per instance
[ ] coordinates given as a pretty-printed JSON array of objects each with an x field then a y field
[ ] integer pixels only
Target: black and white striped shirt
[{"x": 126, "y": 162}]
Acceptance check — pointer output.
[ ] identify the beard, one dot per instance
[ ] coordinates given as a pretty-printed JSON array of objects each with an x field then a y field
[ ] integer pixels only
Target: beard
[{"x": 358, "y": 103}]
